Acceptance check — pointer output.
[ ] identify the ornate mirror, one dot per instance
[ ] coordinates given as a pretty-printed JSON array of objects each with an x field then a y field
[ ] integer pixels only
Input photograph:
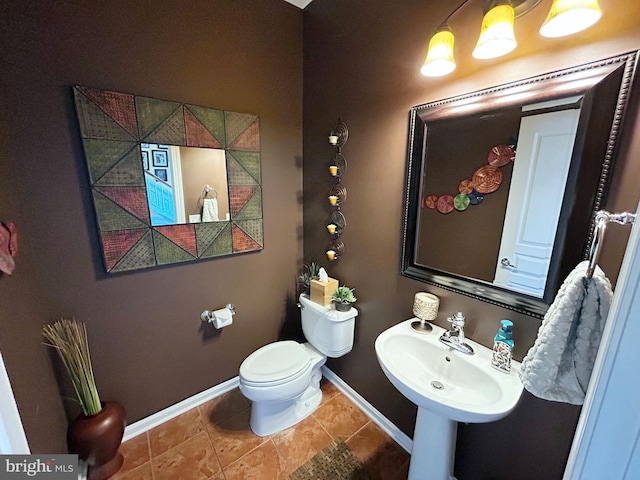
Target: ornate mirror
[
  {"x": 503, "y": 183},
  {"x": 171, "y": 182}
]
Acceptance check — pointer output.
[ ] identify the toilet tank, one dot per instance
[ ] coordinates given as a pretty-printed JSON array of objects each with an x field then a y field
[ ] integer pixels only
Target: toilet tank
[{"x": 329, "y": 331}]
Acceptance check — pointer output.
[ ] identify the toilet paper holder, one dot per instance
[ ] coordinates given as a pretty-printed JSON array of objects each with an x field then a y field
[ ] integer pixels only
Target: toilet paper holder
[{"x": 208, "y": 316}]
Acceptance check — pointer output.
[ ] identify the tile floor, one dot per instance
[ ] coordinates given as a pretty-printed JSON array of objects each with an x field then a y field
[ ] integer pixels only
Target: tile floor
[{"x": 214, "y": 442}]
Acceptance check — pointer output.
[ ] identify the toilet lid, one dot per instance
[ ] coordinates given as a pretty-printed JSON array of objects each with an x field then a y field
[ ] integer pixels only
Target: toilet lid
[{"x": 275, "y": 362}]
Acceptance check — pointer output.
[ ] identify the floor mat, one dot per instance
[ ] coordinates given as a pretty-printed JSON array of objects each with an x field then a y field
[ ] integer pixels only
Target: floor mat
[{"x": 335, "y": 462}]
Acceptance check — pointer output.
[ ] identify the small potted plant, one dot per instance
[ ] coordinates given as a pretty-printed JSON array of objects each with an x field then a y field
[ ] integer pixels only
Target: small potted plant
[
  {"x": 310, "y": 271},
  {"x": 95, "y": 435},
  {"x": 342, "y": 298}
]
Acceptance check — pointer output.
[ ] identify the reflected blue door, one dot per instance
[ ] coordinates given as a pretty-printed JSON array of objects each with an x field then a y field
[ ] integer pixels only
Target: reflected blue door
[{"x": 161, "y": 202}]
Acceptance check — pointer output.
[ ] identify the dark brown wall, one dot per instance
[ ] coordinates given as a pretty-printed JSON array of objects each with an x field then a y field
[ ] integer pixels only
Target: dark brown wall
[
  {"x": 148, "y": 346},
  {"x": 362, "y": 62}
]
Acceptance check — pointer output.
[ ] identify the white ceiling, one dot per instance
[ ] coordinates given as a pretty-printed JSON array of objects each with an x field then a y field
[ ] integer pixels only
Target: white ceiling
[{"x": 299, "y": 3}]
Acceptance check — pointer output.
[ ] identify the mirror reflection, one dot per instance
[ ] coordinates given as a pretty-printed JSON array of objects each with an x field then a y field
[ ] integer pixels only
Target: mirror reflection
[
  {"x": 185, "y": 184},
  {"x": 500, "y": 189}
]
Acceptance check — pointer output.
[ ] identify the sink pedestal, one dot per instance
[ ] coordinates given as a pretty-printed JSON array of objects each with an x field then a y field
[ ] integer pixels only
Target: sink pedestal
[{"x": 434, "y": 443}]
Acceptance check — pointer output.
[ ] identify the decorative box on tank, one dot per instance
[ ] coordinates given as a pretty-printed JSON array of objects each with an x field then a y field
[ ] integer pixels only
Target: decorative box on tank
[{"x": 321, "y": 292}]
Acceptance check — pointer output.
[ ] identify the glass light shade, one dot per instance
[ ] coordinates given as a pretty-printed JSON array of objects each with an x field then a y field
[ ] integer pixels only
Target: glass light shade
[
  {"x": 496, "y": 36},
  {"x": 440, "y": 59},
  {"x": 567, "y": 17}
]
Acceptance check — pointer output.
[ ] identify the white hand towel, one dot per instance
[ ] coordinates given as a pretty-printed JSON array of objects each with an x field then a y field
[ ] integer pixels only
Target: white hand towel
[
  {"x": 559, "y": 365},
  {"x": 210, "y": 210}
]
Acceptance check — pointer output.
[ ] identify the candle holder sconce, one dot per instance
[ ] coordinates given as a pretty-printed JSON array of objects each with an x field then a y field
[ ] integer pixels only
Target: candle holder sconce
[
  {"x": 338, "y": 193},
  {"x": 335, "y": 250},
  {"x": 339, "y": 135},
  {"x": 336, "y": 224},
  {"x": 339, "y": 166}
]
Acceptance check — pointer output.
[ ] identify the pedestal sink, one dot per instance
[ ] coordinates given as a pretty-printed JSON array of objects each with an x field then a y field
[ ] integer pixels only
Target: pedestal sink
[{"x": 448, "y": 387}]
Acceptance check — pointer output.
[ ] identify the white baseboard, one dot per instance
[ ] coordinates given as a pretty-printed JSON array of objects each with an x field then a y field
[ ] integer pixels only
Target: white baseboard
[
  {"x": 168, "y": 413},
  {"x": 185, "y": 405},
  {"x": 383, "y": 422}
]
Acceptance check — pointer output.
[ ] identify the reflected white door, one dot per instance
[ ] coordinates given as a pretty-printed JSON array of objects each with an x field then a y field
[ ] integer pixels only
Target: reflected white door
[{"x": 543, "y": 155}]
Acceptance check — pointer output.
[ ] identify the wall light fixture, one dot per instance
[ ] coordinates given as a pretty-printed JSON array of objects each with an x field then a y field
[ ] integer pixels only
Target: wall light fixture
[{"x": 497, "y": 36}]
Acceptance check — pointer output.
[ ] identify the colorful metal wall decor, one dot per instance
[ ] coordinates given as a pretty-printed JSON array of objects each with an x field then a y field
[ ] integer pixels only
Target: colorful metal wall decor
[
  {"x": 113, "y": 125},
  {"x": 486, "y": 179}
]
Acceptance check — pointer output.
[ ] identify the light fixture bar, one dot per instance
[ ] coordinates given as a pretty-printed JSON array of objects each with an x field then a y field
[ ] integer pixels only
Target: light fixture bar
[{"x": 497, "y": 35}]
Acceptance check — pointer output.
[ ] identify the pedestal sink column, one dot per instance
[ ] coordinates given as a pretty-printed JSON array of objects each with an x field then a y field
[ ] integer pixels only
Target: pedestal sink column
[{"x": 434, "y": 443}]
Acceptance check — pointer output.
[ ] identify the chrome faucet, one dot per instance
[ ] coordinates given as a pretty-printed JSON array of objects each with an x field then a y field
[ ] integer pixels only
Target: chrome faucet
[{"x": 454, "y": 338}]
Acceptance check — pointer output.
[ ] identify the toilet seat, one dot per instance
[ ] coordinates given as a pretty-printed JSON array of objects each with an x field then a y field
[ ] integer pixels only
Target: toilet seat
[{"x": 275, "y": 364}]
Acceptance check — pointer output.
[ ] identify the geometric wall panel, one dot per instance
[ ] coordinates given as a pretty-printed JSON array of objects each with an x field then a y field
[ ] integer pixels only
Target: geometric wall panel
[
  {"x": 206, "y": 234},
  {"x": 252, "y": 228},
  {"x": 113, "y": 125},
  {"x": 249, "y": 139},
  {"x": 242, "y": 242},
  {"x": 119, "y": 106},
  {"x": 169, "y": 252},
  {"x": 104, "y": 154},
  {"x": 125, "y": 172},
  {"x": 117, "y": 243},
  {"x": 250, "y": 162},
  {"x": 252, "y": 208},
  {"x": 212, "y": 120},
  {"x": 237, "y": 174},
  {"x": 182, "y": 235},
  {"x": 236, "y": 124},
  {"x": 112, "y": 217},
  {"x": 131, "y": 199},
  {"x": 141, "y": 255},
  {"x": 221, "y": 245}
]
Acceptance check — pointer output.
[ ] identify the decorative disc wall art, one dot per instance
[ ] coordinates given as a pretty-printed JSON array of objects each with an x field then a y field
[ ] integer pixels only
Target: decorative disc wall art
[
  {"x": 486, "y": 179},
  {"x": 113, "y": 126}
]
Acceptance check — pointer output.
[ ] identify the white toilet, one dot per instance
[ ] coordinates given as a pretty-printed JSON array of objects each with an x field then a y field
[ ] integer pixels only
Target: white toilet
[{"x": 282, "y": 379}]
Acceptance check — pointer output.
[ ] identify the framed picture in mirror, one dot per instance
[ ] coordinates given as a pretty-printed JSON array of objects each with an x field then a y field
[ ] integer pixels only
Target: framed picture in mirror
[{"x": 160, "y": 158}]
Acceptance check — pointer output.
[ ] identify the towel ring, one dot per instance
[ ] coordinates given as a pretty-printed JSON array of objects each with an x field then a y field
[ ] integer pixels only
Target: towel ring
[
  {"x": 601, "y": 221},
  {"x": 206, "y": 190}
]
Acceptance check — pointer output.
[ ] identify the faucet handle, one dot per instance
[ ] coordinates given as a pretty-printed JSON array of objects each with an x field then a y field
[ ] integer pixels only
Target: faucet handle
[{"x": 458, "y": 319}]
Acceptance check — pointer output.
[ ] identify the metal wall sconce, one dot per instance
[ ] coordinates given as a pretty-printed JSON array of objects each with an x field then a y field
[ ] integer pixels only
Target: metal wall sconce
[{"x": 338, "y": 192}]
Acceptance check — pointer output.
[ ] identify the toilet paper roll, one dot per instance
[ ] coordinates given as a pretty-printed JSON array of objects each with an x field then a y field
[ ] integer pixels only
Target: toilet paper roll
[{"x": 222, "y": 317}]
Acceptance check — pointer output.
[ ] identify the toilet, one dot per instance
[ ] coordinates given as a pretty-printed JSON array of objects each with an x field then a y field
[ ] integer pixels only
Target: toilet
[{"x": 282, "y": 379}]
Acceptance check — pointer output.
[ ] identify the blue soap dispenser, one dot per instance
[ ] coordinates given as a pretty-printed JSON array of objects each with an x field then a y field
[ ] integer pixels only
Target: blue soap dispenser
[{"x": 503, "y": 347}]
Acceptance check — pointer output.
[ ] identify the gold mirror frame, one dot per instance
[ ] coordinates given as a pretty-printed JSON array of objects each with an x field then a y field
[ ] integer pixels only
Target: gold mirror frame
[{"x": 112, "y": 127}]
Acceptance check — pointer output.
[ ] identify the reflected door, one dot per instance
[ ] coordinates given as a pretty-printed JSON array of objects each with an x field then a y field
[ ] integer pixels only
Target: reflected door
[
  {"x": 535, "y": 198},
  {"x": 161, "y": 201}
]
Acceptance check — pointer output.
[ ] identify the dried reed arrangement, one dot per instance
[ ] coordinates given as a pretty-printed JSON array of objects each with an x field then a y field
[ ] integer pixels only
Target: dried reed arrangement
[{"x": 69, "y": 337}]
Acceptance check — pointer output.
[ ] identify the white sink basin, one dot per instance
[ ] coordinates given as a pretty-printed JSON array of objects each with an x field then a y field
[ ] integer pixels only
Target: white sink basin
[
  {"x": 460, "y": 387},
  {"x": 448, "y": 386}
]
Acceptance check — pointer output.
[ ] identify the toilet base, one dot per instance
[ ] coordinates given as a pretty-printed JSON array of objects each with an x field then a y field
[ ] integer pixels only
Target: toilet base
[{"x": 268, "y": 418}]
